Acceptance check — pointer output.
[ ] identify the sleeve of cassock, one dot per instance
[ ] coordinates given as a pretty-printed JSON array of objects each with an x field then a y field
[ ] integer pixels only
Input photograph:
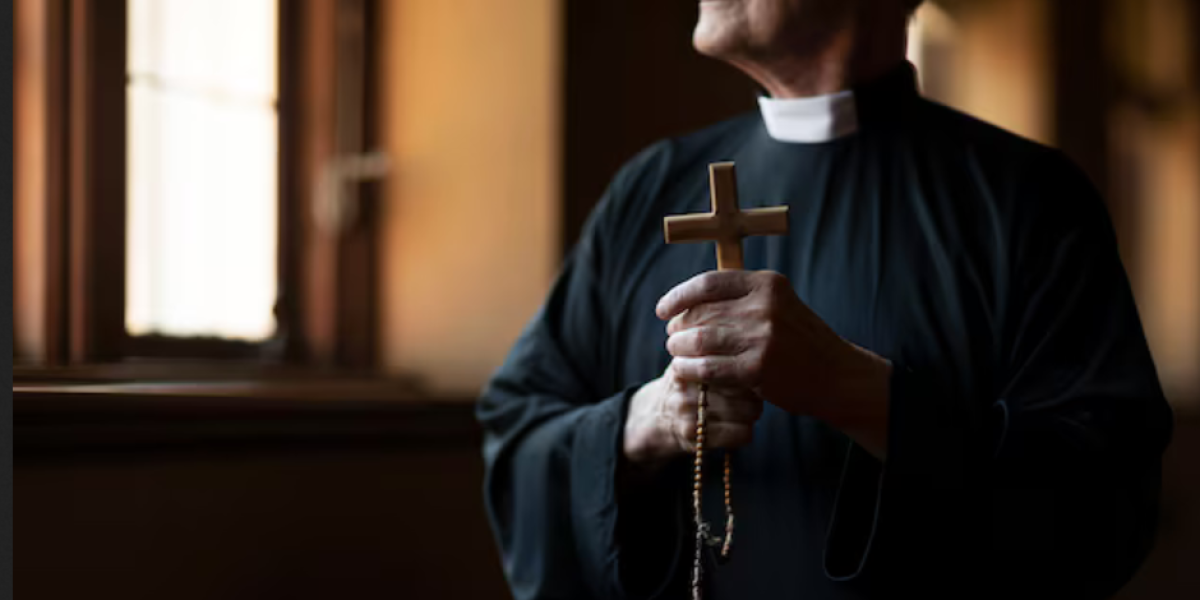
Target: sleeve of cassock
[
  {"x": 1046, "y": 485},
  {"x": 553, "y": 424}
]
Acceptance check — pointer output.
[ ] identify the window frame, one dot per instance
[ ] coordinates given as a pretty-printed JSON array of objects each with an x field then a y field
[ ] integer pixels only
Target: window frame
[{"x": 325, "y": 307}]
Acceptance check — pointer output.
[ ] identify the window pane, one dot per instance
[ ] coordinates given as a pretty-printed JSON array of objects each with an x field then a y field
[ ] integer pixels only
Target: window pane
[
  {"x": 202, "y": 163},
  {"x": 211, "y": 44}
]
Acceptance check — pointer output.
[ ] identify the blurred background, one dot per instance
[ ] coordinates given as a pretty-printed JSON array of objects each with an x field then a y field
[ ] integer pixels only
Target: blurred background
[{"x": 267, "y": 251}]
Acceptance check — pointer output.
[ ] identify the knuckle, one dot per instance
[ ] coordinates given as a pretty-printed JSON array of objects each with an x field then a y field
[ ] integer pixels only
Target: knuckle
[
  {"x": 719, "y": 339},
  {"x": 768, "y": 280},
  {"x": 767, "y": 330},
  {"x": 685, "y": 371},
  {"x": 760, "y": 310},
  {"x": 751, "y": 369},
  {"x": 675, "y": 344},
  {"x": 704, "y": 313}
]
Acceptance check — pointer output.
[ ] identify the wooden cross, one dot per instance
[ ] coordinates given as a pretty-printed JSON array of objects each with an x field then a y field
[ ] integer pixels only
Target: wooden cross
[{"x": 726, "y": 224}]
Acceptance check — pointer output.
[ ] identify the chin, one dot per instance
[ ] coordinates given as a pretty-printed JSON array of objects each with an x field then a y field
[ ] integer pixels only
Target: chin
[{"x": 720, "y": 28}]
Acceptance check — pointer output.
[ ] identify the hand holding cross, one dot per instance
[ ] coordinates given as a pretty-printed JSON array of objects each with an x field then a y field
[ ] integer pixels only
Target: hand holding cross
[
  {"x": 662, "y": 418},
  {"x": 741, "y": 332},
  {"x": 661, "y": 421},
  {"x": 726, "y": 225}
]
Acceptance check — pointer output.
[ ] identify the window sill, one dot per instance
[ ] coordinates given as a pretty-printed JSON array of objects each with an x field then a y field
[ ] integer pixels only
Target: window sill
[
  {"x": 72, "y": 417},
  {"x": 190, "y": 370}
]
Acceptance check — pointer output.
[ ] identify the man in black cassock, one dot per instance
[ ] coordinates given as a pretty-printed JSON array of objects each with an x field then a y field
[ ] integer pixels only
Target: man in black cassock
[{"x": 937, "y": 384}]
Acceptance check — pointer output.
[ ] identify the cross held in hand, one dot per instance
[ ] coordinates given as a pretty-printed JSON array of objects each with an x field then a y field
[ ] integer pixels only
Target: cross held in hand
[{"x": 726, "y": 224}]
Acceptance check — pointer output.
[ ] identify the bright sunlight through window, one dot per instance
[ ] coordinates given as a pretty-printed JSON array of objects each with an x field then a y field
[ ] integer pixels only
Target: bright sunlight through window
[{"x": 202, "y": 168}]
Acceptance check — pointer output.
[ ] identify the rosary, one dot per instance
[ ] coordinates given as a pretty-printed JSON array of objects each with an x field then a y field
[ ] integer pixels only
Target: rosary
[
  {"x": 727, "y": 225},
  {"x": 703, "y": 534}
]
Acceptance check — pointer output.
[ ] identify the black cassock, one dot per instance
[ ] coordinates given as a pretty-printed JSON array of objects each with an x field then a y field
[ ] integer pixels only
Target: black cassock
[{"x": 1026, "y": 425}]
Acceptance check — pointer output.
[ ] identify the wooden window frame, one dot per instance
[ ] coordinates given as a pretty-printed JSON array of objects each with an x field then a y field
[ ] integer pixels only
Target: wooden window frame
[{"x": 326, "y": 307}]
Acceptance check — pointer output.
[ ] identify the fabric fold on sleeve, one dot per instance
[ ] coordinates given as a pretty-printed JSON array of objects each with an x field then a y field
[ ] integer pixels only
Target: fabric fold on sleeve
[
  {"x": 882, "y": 509},
  {"x": 635, "y": 537},
  {"x": 562, "y": 478}
]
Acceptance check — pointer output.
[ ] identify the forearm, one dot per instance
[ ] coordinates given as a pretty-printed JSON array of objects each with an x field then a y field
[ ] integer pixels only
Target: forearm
[
  {"x": 862, "y": 406},
  {"x": 872, "y": 436}
]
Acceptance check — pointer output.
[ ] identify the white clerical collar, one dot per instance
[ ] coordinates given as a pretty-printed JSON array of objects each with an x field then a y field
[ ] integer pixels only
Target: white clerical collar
[{"x": 812, "y": 119}]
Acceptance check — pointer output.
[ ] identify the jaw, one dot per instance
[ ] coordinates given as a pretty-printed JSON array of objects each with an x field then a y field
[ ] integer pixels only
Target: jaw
[
  {"x": 722, "y": 29},
  {"x": 760, "y": 29},
  {"x": 796, "y": 48}
]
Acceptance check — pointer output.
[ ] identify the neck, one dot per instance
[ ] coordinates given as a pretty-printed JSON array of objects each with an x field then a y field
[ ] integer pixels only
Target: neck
[{"x": 860, "y": 51}]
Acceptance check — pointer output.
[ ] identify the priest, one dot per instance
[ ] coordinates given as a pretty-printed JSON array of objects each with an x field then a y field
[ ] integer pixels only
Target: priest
[{"x": 936, "y": 384}]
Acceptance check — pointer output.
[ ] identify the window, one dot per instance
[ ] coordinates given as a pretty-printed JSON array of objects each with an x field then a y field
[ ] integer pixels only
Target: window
[
  {"x": 202, "y": 191},
  {"x": 181, "y": 146}
]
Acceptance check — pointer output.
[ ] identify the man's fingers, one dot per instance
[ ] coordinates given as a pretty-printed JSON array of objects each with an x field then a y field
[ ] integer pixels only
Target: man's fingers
[
  {"x": 733, "y": 406},
  {"x": 705, "y": 341},
  {"x": 713, "y": 286},
  {"x": 724, "y": 403},
  {"x": 729, "y": 370},
  {"x": 726, "y": 435},
  {"x": 730, "y": 417},
  {"x": 716, "y": 435},
  {"x": 704, "y": 314}
]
